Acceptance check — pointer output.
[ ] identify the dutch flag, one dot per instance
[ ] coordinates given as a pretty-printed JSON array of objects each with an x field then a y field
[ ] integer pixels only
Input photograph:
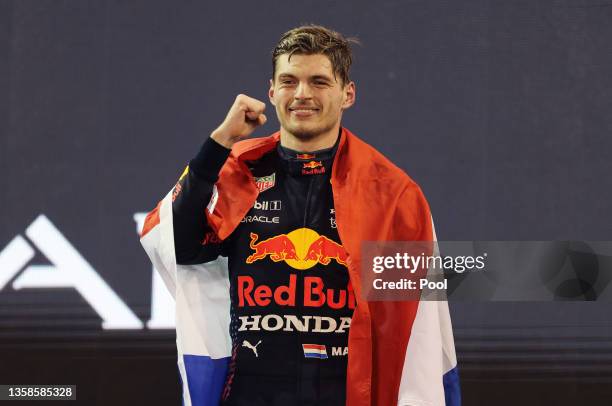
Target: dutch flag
[{"x": 314, "y": 351}]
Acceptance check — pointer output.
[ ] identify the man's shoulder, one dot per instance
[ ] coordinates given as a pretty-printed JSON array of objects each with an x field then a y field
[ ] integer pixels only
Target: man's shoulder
[{"x": 255, "y": 146}]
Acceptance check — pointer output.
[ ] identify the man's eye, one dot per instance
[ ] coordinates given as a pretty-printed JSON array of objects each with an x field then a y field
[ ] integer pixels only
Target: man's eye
[
  {"x": 320, "y": 83},
  {"x": 286, "y": 82}
]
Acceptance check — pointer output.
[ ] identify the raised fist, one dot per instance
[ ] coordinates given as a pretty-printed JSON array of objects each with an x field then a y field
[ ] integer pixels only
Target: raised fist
[{"x": 245, "y": 115}]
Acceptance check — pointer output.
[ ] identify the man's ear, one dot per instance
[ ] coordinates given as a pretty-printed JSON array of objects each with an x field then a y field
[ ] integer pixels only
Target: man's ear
[
  {"x": 349, "y": 95},
  {"x": 271, "y": 92}
]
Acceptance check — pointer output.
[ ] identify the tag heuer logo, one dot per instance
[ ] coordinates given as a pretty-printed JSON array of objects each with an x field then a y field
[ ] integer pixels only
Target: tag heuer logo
[{"x": 265, "y": 182}]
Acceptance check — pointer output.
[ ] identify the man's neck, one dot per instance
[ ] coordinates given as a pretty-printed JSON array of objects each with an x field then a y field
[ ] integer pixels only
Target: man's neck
[{"x": 322, "y": 141}]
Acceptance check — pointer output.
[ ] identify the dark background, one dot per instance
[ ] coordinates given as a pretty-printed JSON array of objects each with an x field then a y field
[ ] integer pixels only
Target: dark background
[{"x": 501, "y": 111}]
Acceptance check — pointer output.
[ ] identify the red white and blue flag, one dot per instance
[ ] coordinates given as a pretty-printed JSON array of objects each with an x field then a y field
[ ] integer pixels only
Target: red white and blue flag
[{"x": 314, "y": 351}]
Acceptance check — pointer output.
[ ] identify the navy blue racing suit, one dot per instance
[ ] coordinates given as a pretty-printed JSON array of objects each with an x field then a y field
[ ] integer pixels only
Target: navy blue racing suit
[{"x": 291, "y": 300}]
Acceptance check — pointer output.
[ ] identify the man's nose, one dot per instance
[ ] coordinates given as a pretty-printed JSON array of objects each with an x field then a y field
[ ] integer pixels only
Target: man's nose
[{"x": 303, "y": 91}]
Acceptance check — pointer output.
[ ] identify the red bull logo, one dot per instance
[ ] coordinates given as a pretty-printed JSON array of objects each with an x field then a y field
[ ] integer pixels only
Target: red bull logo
[
  {"x": 279, "y": 248},
  {"x": 313, "y": 168},
  {"x": 312, "y": 165},
  {"x": 315, "y": 293},
  {"x": 323, "y": 250},
  {"x": 300, "y": 249}
]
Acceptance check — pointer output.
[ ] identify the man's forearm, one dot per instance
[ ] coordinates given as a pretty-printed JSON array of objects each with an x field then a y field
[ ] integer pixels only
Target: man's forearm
[{"x": 193, "y": 193}]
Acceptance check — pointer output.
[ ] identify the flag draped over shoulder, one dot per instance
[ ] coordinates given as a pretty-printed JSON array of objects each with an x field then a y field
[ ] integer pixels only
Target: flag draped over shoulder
[
  {"x": 400, "y": 353},
  {"x": 201, "y": 294}
]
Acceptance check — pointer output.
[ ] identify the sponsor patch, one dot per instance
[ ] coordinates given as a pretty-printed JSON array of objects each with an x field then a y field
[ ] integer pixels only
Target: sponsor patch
[
  {"x": 314, "y": 351},
  {"x": 253, "y": 294},
  {"x": 312, "y": 165},
  {"x": 265, "y": 182},
  {"x": 252, "y": 347},
  {"x": 290, "y": 323},
  {"x": 272, "y": 205},
  {"x": 260, "y": 219},
  {"x": 313, "y": 168},
  {"x": 301, "y": 249}
]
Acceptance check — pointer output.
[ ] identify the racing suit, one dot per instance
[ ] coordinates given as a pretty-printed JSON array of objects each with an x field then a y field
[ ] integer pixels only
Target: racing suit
[{"x": 291, "y": 299}]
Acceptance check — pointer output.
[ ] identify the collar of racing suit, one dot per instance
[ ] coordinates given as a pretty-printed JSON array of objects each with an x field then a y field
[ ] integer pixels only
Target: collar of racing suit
[{"x": 307, "y": 163}]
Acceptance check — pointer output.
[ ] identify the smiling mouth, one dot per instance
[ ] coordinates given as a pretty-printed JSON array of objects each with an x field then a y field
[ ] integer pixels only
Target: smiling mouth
[
  {"x": 303, "y": 109},
  {"x": 303, "y": 112}
]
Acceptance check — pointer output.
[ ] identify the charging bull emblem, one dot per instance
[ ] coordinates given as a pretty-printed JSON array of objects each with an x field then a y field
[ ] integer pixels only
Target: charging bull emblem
[{"x": 301, "y": 249}]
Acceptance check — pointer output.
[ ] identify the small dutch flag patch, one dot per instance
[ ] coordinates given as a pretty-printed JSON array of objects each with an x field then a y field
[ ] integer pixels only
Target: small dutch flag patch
[{"x": 314, "y": 351}]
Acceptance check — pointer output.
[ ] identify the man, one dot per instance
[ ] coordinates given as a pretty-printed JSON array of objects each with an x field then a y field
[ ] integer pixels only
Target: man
[{"x": 282, "y": 322}]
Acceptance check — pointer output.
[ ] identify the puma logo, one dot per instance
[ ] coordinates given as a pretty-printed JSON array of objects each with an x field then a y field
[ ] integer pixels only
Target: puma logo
[{"x": 247, "y": 344}]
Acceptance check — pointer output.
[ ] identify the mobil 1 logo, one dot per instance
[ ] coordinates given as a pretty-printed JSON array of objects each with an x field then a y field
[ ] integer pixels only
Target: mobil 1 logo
[{"x": 268, "y": 205}]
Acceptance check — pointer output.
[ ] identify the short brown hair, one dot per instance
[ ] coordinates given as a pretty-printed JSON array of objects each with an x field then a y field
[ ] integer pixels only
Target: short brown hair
[{"x": 315, "y": 39}]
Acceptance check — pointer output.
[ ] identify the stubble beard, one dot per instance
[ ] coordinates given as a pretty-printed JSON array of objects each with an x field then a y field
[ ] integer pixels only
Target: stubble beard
[{"x": 306, "y": 134}]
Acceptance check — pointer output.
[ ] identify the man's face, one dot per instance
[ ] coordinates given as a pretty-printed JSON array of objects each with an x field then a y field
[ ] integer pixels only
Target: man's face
[{"x": 309, "y": 99}]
